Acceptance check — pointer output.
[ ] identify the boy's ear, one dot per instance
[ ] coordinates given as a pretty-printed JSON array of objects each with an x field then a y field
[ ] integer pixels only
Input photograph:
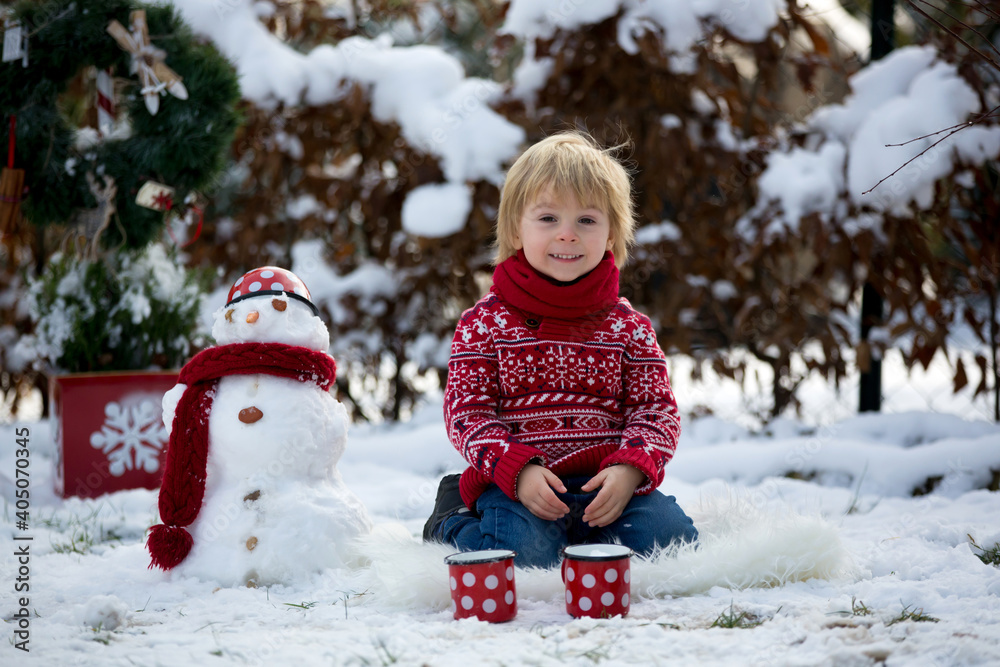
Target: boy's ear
[
  {"x": 611, "y": 243},
  {"x": 517, "y": 242}
]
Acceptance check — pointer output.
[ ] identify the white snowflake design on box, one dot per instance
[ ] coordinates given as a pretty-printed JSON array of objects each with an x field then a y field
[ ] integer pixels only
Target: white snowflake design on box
[{"x": 131, "y": 437}]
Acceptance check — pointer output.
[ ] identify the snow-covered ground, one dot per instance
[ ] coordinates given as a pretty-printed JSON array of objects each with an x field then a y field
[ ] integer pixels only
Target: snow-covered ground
[
  {"x": 844, "y": 569},
  {"x": 809, "y": 532}
]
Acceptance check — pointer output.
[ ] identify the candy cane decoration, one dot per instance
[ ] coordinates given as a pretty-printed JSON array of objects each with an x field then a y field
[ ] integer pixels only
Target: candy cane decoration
[{"x": 105, "y": 102}]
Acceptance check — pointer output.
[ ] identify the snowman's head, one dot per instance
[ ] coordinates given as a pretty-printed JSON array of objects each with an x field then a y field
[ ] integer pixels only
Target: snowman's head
[{"x": 270, "y": 305}]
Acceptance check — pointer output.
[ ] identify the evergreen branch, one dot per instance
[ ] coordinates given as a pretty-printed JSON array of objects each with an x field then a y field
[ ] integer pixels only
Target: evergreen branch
[{"x": 51, "y": 21}]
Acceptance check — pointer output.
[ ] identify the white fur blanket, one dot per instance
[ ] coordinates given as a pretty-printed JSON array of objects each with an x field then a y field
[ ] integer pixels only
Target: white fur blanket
[{"x": 740, "y": 546}]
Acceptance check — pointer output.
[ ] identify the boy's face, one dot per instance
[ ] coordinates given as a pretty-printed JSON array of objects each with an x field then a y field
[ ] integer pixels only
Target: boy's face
[{"x": 561, "y": 237}]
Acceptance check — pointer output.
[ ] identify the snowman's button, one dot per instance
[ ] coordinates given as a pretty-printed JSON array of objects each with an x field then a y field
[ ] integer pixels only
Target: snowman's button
[
  {"x": 279, "y": 305},
  {"x": 229, "y": 314},
  {"x": 250, "y": 415},
  {"x": 252, "y": 496},
  {"x": 251, "y": 543}
]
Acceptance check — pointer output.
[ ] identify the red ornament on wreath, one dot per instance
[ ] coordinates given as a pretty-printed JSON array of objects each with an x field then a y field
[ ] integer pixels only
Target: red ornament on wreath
[{"x": 159, "y": 197}]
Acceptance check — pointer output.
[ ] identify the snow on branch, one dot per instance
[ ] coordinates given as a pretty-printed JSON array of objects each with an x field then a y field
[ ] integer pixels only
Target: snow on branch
[
  {"x": 422, "y": 88},
  {"x": 883, "y": 128}
]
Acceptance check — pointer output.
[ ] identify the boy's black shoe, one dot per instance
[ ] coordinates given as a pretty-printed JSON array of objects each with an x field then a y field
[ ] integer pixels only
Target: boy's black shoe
[{"x": 448, "y": 503}]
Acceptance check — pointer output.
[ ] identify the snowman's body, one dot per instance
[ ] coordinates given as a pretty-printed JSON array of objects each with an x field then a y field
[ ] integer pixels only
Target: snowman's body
[{"x": 274, "y": 507}]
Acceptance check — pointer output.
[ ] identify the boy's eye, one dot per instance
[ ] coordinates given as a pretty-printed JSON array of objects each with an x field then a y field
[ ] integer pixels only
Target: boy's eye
[
  {"x": 548, "y": 218},
  {"x": 588, "y": 221}
]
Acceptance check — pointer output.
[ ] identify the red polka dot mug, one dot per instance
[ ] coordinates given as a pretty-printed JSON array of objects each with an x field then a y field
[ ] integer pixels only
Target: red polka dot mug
[
  {"x": 482, "y": 584},
  {"x": 597, "y": 579}
]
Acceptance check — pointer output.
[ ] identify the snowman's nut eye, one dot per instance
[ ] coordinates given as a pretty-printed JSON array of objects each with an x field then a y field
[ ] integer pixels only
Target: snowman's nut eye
[
  {"x": 229, "y": 314},
  {"x": 279, "y": 305},
  {"x": 252, "y": 316}
]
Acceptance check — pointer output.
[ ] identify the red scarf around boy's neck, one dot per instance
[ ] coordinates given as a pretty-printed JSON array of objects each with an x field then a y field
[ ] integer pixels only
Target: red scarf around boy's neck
[{"x": 588, "y": 298}]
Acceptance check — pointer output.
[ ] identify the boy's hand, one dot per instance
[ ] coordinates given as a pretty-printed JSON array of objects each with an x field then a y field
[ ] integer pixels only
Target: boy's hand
[
  {"x": 534, "y": 490},
  {"x": 617, "y": 483}
]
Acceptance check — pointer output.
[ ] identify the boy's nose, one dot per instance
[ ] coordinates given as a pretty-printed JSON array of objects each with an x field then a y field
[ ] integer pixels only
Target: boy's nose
[{"x": 566, "y": 232}]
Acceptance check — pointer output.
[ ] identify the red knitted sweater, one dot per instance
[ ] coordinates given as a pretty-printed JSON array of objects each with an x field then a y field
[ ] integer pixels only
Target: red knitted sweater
[{"x": 574, "y": 394}]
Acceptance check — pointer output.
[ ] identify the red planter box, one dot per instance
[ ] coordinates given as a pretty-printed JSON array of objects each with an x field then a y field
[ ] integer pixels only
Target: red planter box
[{"x": 109, "y": 431}]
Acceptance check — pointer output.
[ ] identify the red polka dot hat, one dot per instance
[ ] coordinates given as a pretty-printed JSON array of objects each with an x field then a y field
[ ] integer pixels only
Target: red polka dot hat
[{"x": 268, "y": 280}]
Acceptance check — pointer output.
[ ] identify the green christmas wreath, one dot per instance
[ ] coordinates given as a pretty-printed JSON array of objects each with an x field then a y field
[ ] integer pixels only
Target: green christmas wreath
[{"x": 184, "y": 145}]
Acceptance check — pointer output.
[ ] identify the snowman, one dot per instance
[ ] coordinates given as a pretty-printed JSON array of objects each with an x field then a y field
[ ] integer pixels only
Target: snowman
[{"x": 250, "y": 493}]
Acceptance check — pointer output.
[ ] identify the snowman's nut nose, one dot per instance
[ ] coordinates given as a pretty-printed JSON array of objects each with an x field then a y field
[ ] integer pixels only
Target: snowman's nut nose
[{"x": 252, "y": 316}]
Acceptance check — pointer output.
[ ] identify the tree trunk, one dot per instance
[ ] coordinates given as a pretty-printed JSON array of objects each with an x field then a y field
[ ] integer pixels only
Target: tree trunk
[
  {"x": 782, "y": 395},
  {"x": 400, "y": 392},
  {"x": 993, "y": 349}
]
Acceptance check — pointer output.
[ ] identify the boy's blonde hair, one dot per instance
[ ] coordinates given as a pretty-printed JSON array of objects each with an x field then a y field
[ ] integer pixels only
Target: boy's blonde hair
[{"x": 568, "y": 163}]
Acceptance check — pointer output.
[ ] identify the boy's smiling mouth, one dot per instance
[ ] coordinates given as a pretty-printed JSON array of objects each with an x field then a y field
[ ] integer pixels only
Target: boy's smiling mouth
[{"x": 565, "y": 257}]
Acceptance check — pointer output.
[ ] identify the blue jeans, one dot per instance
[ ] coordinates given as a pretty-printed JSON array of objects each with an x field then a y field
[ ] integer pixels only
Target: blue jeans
[{"x": 648, "y": 522}]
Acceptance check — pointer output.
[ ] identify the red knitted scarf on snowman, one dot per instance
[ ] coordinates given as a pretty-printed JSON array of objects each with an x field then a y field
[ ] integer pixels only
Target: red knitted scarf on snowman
[{"x": 183, "y": 485}]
